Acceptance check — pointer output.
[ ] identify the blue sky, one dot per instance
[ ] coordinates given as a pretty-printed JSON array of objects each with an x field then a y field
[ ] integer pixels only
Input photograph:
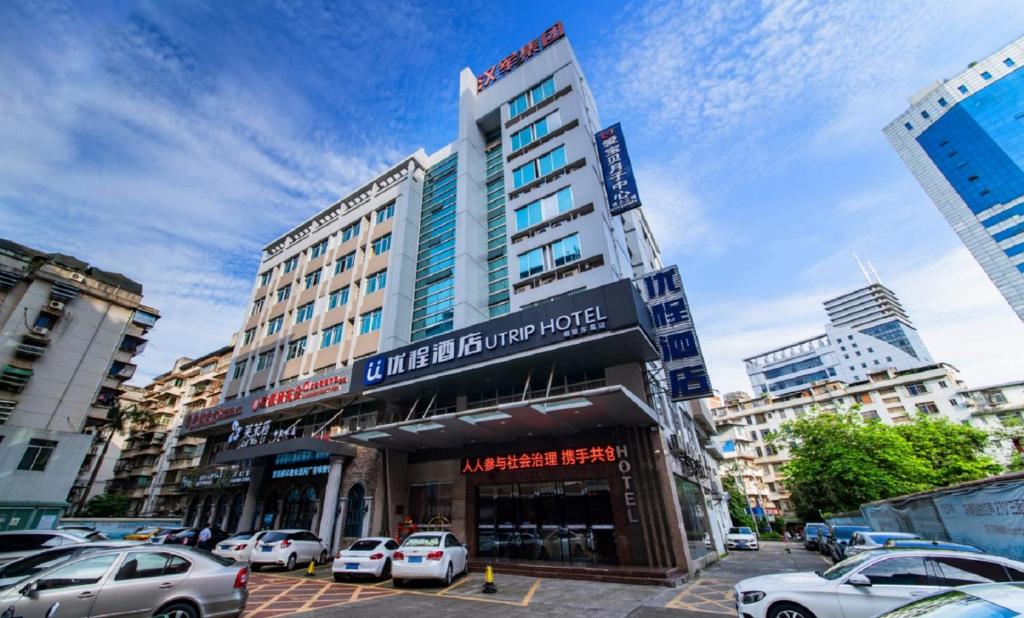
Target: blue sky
[{"x": 171, "y": 141}]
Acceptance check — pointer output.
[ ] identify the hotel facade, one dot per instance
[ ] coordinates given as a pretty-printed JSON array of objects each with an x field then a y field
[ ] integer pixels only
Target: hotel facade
[{"x": 463, "y": 343}]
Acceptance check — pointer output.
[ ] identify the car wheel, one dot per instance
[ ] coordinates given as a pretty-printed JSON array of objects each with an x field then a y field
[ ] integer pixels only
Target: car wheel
[
  {"x": 255, "y": 568},
  {"x": 323, "y": 557},
  {"x": 398, "y": 583},
  {"x": 386, "y": 571},
  {"x": 291, "y": 563},
  {"x": 177, "y": 610},
  {"x": 448, "y": 575},
  {"x": 338, "y": 578},
  {"x": 789, "y": 610}
]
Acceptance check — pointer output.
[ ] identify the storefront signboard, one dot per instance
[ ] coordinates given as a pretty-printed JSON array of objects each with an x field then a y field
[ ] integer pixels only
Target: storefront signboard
[
  {"x": 519, "y": 56},
  {"x": 304, "y": 471},
  {"x": 628, "y": 489},
  {"x": 663, "y": 292},
  {"x": 561, "y": 458},
  {"x": 260, "y": 432},
  {"x": 619, "y": 183},
  {"x": 610, "y": 307}
]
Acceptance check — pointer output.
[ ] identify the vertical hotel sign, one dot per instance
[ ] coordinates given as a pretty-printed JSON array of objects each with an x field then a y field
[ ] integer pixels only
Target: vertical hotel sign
[
  {"x": 512, "y": 61},
  {"x": 619, "y": 184},
  {"x": 687, "y": 374}
]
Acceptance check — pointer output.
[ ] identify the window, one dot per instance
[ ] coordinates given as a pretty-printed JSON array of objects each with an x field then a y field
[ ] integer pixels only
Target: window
[
  {"x": 985, "y": 75},
  {"x": 540, "y": 166},
  {"x": 344, "y": 263},
  {"x": 350, "y": 232},
  {"x": 257, "y": 306},
  {"x": 908, "y": 126},
  {"x": 902, "y": 571},
  {"x": 531, "y": 97},
  {"x": 943, "y": 102},
  {"x": 274, "y": 326},
  {"x": 544, "y": 208},
  {"x": 296, "y": 348},
  {"x": 37, "y": 454},
  {"x": 1009, "y": 62},
  {"x": 318, "y": 249},
  {"x": 528, "y": 215},
  {"x": 964, "y": 571},
  {"x": 240, "y": 369},
  {"x": 531, "y": 263},
  {"x": 304, "y": 313},
  {"x": 535, "y": 131},
  {"x": 917, "y": 388},
  {"x": 265, "y": 277},
  {"x": 385, "y": 213},
  {"x": 291, "y": 263},
  {"x": 313, "y": 279},
  {"x": 264, "y": 360},
  {"x": 369, "y": 322},
  {"x": 45, "y": 320},
  {"x": 86, "y": 572},
  {"x": 925, "y": 114},
  {"x": 382, "y": 244},
  {"x": 284, "y": 293},
  {"x": 376, "y": 281},
  {"x": 962, "y": 89},
  {"x": 566, "y": 250},
  {"x": 331, "y": 335},
  {"x": 927, "y": 407},
  {"x": 151, "y": 564},
  {"x": 248, "y": 336},
  {"x": 337, "y": 298}
]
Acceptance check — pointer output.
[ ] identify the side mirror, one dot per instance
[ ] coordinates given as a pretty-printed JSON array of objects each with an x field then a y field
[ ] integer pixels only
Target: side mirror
[
  {"x": 858, "y": 579},
  {"x": 29, "y": 590}
]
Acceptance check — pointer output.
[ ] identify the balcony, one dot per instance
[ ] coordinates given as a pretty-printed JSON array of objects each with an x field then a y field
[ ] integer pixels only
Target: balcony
[
  {"x": 37, "y": 335},
  {"x": 107, "y": 397},
  {"x": 14, "y": 379},
  {"x": 6, "y": 408},
  {"x": 8, "y": 279},
  {"x": 144, "y": 319},
  {"x": 121, "y": 371},
  {"x": 29, "y": 351},
  {"x": 63, "y": 292},
  {"x": 132, "y": 345}
]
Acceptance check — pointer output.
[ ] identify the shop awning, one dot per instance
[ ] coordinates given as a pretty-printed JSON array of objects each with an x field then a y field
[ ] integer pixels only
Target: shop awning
[
  {"x": 286, "y": 446},
  {"x": 603, "y": 407}
]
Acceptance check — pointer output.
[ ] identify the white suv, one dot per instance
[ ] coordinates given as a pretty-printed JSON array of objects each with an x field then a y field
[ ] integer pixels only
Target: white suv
[{"x": 288, "y": 548}]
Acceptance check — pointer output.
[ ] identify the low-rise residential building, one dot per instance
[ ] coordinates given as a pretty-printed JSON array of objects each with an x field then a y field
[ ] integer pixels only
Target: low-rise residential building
[
  {"x": 69, "y": 332},
  {"x": 104, "y": 452},
  {"x": 999, "y": 408}
]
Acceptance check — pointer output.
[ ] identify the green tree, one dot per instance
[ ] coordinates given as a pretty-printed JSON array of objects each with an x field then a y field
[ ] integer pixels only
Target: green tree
[
  {"x": 1012, "y": 430},
  {"x": 737, "y": 503},
  {"x": 107, "y": 505},
  {"x": 953, "y": 452},
  {"x": 119, "y": 420},
  {"x": 841, "y": 461}
]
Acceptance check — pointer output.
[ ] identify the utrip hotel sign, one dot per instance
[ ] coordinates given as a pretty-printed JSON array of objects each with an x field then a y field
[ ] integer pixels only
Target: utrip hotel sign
[{"x": 512, "y": 61}]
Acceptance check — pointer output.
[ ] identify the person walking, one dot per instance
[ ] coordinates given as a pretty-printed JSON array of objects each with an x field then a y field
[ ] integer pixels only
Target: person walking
[{"x": 204, "y": 537}]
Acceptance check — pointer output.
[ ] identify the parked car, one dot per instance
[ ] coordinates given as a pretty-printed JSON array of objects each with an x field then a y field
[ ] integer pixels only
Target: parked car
[
  {"x": 164, "y": 534},
  {"x": 42, "y": 560},
  {"x": 87, "y": 531},
  {"x": 14, "y": 545},
  {"x": 741, "y": 537},
  {"x": 190, "y": 537},
  {"x": 812, "y": 532},
  {"x": 136, "y": 581},
  {"x": 429, "y": 555},
  {"x": 146, "y": 533},
  {"x": 981, "y": 600},
  {"x": 839, "y": 538},
  {"x": 923, "y": 544},
  {"x": 370, "y": 556},
  {"x": 869, "y": 583},
  {"x": 866, "y": 541},
  {"x": 239, "y": 546},
  {"x": 288, "y": 548}
]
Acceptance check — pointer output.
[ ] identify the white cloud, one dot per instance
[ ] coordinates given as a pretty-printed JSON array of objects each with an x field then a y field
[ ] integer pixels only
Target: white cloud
[{"x": 681, "y": 223}]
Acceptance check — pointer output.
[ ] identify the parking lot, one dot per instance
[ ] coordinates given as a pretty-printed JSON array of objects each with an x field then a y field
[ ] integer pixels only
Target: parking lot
[{"x": 286, "y": 594}]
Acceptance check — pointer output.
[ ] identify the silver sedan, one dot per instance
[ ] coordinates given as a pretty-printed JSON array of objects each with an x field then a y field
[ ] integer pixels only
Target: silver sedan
[{"x": 140, "y": 581}]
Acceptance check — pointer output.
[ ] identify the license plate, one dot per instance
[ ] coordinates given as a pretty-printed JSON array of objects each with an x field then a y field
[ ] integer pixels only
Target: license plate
[
  {"x": 225, "y": 546},
  {"x": 415, "y": 559},
  {"x": 266, "y": 548},
  {"x": 351, "y": 565}
]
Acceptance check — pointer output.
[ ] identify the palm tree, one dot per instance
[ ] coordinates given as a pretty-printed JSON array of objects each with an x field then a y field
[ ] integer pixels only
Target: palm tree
[{"x": 119, "y": 420}]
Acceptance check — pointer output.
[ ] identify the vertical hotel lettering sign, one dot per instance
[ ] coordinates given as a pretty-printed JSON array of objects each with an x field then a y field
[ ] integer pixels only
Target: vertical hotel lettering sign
[
  {"x": 519, "y": 56},
  {"x": 663, "y": 293},
  {"x": 619, "y": 184}
]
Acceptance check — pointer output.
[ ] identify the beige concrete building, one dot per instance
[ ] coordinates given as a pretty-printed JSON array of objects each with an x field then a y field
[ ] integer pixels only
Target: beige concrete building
[
  {"x": 69, "y": 333},
  {"x": 104, "y": 455}
]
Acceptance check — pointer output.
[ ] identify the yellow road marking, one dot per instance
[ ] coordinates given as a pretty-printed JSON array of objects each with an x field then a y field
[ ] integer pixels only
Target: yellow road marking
[
  {"x": 266, "y": 604},
  {"x": 685, "y": 589},
  {"x": 529, "y": 595},
  {"x": 355, "y": 595},
  {"x": 455, "y": 585},
  {"x": 313, "y": 598}
]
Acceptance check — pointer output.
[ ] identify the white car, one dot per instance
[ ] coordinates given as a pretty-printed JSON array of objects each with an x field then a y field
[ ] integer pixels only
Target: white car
[
  {"x": 288, "y": 548},
  {"x": 369, "y": 556},
  {"x": 990, "y": 600},
  {"x": 869, "y": 583},
  {"x": 861, "y": 542},
  {"x": 429, "y": 555},
  {"x": 239, "y": 545},
  {"x": 741, "y": 538},
  {"x": 21, "y": 543}
]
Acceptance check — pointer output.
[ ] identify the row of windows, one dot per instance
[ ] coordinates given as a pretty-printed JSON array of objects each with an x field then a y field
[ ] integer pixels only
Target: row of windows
[
  {"x": 544, "y": 209},
  {"x": 963, "y": 89},
  {"x": 498, "y": 302},
  {"x": 539, "y": 167},
  {"x": 533, "y": 96},
  {"x": 435, "y": 261},
  {"x": 535, "y": 131},
  {"x": 335, "y": 299},
  {"x": 558, "y": 253}
]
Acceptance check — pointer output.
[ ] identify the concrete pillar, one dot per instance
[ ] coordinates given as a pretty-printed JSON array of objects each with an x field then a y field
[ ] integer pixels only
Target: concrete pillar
[
  {"x": 228, "y": 503},
  {"x": 252, "y": 496},
  {"x": 329, "y": 509},
  {"x": 277, "y": 514}
]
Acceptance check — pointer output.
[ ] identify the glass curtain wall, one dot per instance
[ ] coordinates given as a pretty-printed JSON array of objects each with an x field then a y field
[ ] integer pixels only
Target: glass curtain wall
[
  {"x": 497, "y": 250},
  {"x": 433, "y": 301}
]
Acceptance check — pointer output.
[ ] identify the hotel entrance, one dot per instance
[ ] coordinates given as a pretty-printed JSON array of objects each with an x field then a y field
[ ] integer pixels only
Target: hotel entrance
[{"x": 567, "y": 522}]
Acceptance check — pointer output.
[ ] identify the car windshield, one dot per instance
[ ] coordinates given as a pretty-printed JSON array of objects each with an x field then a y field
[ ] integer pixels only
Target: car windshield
[
  {"x": 205, "y": 555},
  {"x": 952, "y": 604},
  {"x": 743, "y": 530},
  {"x": 184, "y": 534},
  {"x": 422, "y": 541},
  {"x": 842, "y": 568},
  {"x": 364, "y": 545},
  {"x": 242, "y": 536},
  {"x": 845, "y": 532},
  {"x": 274, "y": 537},
  {"x": 881, "y": 539}
]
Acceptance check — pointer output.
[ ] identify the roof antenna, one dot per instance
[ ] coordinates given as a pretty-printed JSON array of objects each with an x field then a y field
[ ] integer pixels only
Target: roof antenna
[
  {"x": 861, "y": 265},
  {"x": 874, "y": 272}
]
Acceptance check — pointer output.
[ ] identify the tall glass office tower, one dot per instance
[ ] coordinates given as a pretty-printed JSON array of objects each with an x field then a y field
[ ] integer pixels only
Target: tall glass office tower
[{"x": 963, "y": 139}]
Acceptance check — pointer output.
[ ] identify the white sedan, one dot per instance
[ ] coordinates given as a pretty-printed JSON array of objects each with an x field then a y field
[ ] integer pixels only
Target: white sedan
[
  {"x": 370, "y": 556},
  {"x": 429, "y": 555},
  {"x": 288, "y": 548},
  {"x": 741, "y": 537},
  {"x": 869, "y": 583},
  {"x": 239, "y": 546}
]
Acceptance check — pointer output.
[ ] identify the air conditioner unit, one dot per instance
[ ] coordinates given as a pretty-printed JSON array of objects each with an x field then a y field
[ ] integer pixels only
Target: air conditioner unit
[
  {"x": 79, "y": 277},
  {"x": 41, "y": 330},
  {"x": 673, "y": 443},
  {"x": 56, "y": 305}
]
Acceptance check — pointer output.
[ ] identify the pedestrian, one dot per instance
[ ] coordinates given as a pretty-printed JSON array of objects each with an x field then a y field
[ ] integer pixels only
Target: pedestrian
[{"x": 204, "y": 537}]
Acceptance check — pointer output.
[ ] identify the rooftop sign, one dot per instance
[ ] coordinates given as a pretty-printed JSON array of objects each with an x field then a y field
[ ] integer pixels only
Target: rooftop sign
[{"x": 518, "y": 57}]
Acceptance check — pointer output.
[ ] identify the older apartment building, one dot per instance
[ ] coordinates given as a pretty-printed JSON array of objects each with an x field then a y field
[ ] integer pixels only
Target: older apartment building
[
  {"x": 745, "y": 423},
  {"x": 473, "y": 302},
  {"x": 69, "y": 334},
  {"x": 155, "y": 466}
]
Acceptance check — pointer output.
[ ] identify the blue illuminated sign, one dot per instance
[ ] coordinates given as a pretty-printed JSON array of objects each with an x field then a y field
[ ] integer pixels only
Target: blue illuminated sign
[{"x": 619, "y": 184}]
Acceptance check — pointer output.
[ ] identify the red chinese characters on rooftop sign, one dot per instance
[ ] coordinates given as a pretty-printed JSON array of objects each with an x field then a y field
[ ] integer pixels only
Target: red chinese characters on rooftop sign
[
  {"x": 210, "y": 416},
  {"x": 518, "y": 57},
  {"x": 306, "y": 390},
  {"x": 540, "y": 459}
]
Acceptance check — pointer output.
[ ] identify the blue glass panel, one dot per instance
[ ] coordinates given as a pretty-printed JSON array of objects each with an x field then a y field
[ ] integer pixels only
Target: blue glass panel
[
  {"x": 784, "y": 370},
  {"x": 1009, "y": 232},
  {"x": 893, "y": 334}
]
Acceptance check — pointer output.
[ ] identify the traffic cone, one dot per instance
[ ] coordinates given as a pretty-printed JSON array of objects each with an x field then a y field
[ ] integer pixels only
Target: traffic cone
[
  {"x": 311, "y": 569},
  {"x": 489, "y": 587}
]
